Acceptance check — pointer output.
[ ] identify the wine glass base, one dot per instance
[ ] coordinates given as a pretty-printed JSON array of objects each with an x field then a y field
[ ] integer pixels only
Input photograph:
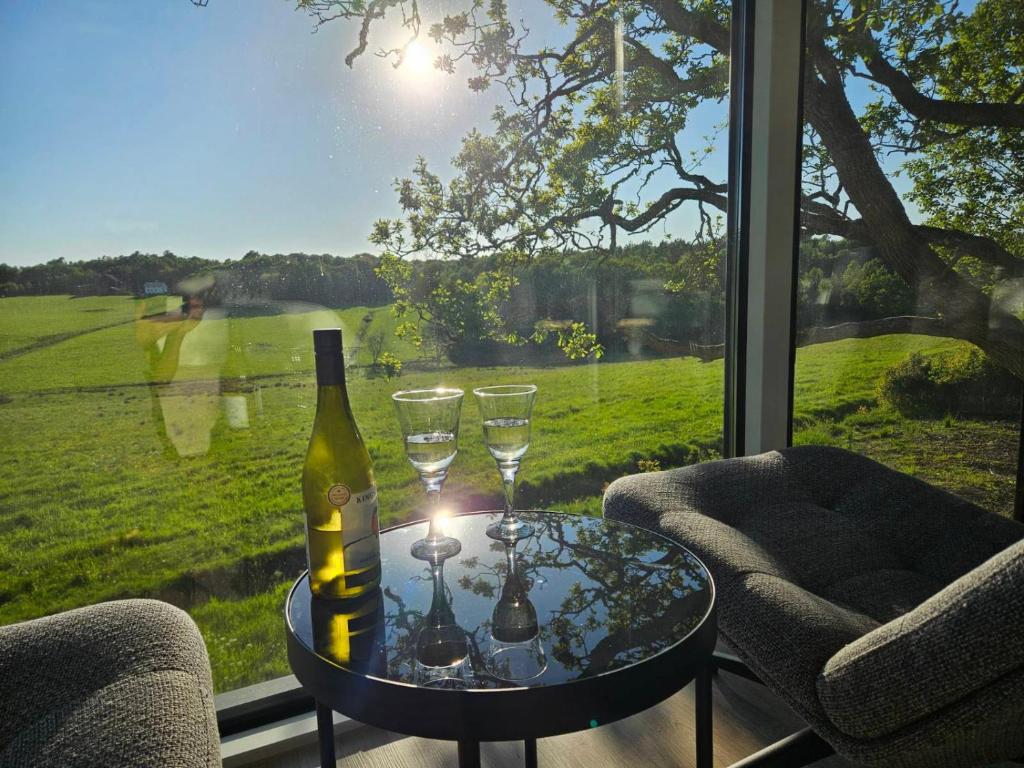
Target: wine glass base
[
  {"x": 510, "y": 531},
  {"x": 440, "y": 548}
]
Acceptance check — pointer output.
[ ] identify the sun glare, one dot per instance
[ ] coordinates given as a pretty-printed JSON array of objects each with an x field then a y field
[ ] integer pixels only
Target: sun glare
[{"x": 418, "y": 63}]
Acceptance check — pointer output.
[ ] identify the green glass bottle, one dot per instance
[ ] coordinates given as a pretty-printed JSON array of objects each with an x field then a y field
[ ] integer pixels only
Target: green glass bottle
[{"x": 340, "y": 497}]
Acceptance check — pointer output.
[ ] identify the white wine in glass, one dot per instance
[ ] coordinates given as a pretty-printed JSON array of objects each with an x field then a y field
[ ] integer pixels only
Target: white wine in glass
[
  {"x": 430, "y": 431},
  {"x": 431, "y": 452},
  {"x": 507, "y": 438},
  {"x": 505, "y": 411}
]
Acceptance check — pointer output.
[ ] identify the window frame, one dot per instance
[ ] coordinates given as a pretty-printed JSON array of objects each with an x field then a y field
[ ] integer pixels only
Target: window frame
[{"x": 741, "y": 95}]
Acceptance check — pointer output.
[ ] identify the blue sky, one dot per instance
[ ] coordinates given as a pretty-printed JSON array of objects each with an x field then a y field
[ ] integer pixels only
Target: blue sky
[{"x": 157, "y": 125}]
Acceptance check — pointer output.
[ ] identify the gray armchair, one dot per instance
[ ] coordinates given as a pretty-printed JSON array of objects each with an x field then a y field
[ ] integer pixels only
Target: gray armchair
[
  {"x": 125, "y": 683},
  {"x": 888, "y": 613}
]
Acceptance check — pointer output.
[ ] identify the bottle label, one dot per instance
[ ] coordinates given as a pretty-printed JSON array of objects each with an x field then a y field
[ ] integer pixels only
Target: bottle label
[
  {"x": 359, "y": 526},
  {"x": 339, "y": 495}
]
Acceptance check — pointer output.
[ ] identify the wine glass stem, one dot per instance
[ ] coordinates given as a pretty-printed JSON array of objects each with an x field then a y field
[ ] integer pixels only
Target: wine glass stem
[
  {"x": 437, "y": 605},
  {"x": 508, "y": 481},
  {"x": 434, "y": 505}
]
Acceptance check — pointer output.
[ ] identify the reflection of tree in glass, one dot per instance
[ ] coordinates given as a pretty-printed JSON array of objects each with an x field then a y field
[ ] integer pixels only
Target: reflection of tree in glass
[
  {"x": 637, "y": 604},
  {"x": 579, "y": 597},
  {"x": 402, "y": 625},
  {"x": 626, "y": 602},
  {"x": 478, "y": 584}
]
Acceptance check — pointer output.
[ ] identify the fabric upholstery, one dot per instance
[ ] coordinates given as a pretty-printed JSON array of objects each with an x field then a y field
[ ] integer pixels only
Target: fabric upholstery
[
  {"x": 911, "y": 668},
  {"x": 125, "y": 683},
  {"x": 816, "y": 549}
]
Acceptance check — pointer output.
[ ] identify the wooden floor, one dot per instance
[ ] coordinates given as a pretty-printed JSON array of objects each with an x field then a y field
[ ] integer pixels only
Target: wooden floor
[{"x": 747, "y": 718}]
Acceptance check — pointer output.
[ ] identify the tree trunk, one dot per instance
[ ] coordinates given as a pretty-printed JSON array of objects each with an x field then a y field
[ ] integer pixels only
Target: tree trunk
[{"x": 865, "y": 329}]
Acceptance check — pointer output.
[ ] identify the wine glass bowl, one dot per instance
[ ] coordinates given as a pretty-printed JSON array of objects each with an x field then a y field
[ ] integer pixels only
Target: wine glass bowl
[
  {"x": 429, "y": 419},
  {"x": 442, "y": 657},
  {"x": 505, "y": 411}
]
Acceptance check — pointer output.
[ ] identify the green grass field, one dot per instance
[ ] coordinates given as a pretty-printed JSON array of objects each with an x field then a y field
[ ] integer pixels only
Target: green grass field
[
  {"x": 29, "y": 320},
  {"x": 98, "y": 502}
]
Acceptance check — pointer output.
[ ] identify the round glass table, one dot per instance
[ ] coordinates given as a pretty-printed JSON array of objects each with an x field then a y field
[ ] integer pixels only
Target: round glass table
[{"x": 585, "y": 622}]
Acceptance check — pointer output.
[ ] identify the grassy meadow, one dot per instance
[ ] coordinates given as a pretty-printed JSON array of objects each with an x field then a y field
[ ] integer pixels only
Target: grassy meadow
[{"x": 111, "y": 487}]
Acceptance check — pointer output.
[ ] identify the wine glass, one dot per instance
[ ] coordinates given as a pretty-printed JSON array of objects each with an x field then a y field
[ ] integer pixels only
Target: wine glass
[
  {"x": 515, "y": 652},
  {"x": 506, "y": 417},
  {"x": 430, "y": 428},
  {"x": 442, "y": 648}
]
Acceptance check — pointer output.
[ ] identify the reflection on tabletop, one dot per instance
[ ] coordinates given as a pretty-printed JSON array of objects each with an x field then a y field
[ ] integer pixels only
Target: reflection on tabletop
[{"x": 579, "y": 597}]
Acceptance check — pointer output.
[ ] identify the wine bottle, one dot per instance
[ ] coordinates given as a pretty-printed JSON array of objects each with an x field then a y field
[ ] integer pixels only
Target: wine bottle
[{"x": 340, "y": 497}]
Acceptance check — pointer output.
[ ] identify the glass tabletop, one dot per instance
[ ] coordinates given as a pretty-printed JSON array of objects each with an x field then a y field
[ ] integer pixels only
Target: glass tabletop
[{"x": 580, "y": 597}]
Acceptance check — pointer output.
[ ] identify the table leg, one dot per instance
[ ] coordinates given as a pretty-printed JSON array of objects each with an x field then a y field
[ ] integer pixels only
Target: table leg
[
  {"x": 325, "y": 734},
  {"x": 702, "y": 699},
  {"x": 469, "y": 754},
  {"x": 530, "y": 752}
]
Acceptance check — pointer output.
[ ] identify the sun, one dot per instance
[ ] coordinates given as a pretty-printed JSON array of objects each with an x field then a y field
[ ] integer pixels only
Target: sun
[{"x": 417, "y": 63}]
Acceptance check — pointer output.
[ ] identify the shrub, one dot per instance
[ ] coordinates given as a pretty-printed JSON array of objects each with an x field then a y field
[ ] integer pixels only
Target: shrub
[
  {"x": 388, "y": 365},
  {"x": 962, "y": 382}
]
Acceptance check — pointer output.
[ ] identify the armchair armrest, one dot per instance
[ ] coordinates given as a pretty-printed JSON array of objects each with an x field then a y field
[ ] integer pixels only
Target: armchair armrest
[
  {"x": 963, "y": 639},
  {"x": 51, "y": 665}
]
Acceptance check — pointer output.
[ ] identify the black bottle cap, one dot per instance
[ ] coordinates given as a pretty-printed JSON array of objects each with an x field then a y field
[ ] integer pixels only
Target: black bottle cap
[{"x": 327, "y": 340}]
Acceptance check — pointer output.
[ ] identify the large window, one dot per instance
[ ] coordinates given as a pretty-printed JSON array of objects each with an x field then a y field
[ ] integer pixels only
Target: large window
[
  {"x": 557, "y": 219},
  {"x": 911, "y": 273}
]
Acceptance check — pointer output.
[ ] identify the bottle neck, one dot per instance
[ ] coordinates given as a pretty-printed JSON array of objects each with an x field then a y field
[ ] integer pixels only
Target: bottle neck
[
  {"x": 330, "y": 370},
  {"x": 331, "y": 392}
]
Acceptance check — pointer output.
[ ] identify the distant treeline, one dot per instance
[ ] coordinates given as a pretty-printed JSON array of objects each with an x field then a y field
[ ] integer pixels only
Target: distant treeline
[
  {"x": 643, "y": 294},
  {"x": 672, "y": 289},
  {"x": 321, "y": 279}
]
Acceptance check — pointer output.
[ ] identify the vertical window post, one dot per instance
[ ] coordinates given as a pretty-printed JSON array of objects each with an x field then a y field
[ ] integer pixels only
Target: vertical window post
[
  {"x": 774, "y": 174},
  {"x": 738, "y": 218}
]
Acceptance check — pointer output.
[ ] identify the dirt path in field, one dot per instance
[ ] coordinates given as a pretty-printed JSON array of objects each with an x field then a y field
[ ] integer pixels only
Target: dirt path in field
[{"x": 56, "y": 338}]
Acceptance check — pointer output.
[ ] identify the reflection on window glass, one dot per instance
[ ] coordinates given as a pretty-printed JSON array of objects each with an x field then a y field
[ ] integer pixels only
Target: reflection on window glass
[
  {"x": 911, "y": 275},
  {"x": 530, "y": 193}
]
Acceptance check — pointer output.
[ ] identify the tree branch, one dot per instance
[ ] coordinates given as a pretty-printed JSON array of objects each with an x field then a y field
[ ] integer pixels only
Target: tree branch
[
  {"x": 965, "y": 113},
  {"x": 817, "y": 222},
  {"x": 980, "y": 247},
  {"x": 677, "y": 85},
  {"x": 665, "y": 204},
  {"x": 692, "y": 24}
]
